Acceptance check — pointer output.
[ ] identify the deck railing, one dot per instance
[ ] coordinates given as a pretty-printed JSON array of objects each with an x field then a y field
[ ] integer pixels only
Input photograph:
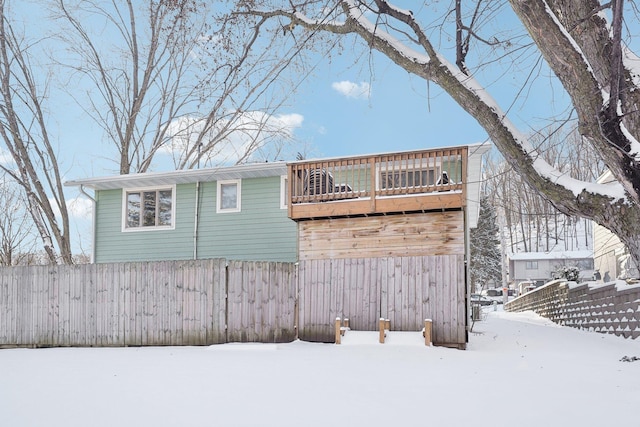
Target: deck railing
[{"x": 376, "y": 177}]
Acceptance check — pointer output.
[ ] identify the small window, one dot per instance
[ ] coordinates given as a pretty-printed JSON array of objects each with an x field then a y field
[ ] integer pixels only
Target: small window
[
  {"x": 531, "y": 265},
  {"x": 228, "y": 196},
  {"x": 148, "y": 208},
  {"x": 284, "y": 192}
]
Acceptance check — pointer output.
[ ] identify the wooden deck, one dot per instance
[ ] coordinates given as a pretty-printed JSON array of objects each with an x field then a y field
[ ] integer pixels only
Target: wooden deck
[{"x": 417, "y": 181}]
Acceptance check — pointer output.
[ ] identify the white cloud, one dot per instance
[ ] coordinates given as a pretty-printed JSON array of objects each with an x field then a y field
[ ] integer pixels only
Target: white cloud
[
  {"x": 349, "y": 89},
  {"x": 78, "y": 207},
  {"x": 5, "y": 158},
  {"x": 289, "y": 121},
  {"x": 251, "y": 131}
]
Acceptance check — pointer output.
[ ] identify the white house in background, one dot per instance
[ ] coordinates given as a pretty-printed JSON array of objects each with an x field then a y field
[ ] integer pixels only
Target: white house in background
[
  {"x": 611, "y": 257},
  {"x": 539, "y": 267}
]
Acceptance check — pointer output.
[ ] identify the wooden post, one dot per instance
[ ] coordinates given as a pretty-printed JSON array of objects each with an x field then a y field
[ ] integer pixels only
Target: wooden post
[
  {"x": 373, "y": 178},
  {"x": 381, "y": 324},
  {"x": 427, "y": 331},
  {"x": 346, "y": 322},
  {"x": 338, "y": 330},
  {"x": 387, "y": 324}
]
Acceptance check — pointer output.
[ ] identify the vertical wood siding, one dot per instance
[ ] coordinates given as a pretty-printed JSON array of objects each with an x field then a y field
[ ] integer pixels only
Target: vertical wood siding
[
  {"x": 261, "y": 302},
  {"x": 139, "y": 304},
  {"x": 209, "y": 301},
  {"x": 405, "y": 290}
]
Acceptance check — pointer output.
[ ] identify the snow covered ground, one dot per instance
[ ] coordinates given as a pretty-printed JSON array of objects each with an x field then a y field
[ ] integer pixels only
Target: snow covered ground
[{"x": 519, "y": 370}]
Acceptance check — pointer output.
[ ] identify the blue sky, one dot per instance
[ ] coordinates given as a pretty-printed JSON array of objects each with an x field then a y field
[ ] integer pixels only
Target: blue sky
[
  {"x": 392, "y": 111},
  {"x": 396, "y": 114}
]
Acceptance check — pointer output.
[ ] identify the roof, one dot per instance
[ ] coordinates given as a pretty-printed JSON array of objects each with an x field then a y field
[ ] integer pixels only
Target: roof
[
  {"x": 532, "y": 256},
  {"x": 151, "y": 179}
]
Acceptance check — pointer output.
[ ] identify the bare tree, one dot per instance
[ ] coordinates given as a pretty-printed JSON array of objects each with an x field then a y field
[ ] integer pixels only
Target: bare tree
[
  {"x": 164, "y": 76},
  {"x": 23, "y": 130},
  {"x": 534, "y": 225},
  {"x": 583, "y": 49},
  {"x": 16, "y": 229}
]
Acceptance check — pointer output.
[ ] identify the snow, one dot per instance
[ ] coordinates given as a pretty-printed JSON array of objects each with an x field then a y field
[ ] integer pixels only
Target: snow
[
  {"x": 631, "y": 63},
  {"x": 519, "y": 369},
  {"x": 581, "y": 254},
  {"x": 359, "y": 16},
  {"x": 613, "y": 190}
]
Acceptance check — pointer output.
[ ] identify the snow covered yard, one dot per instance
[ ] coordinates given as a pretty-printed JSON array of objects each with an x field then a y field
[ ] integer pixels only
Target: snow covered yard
[{"x": 519, "y": 370}]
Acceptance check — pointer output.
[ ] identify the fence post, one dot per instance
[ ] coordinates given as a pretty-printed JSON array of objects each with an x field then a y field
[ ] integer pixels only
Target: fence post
[
  {"x": 427, "y": 331},
  {"x": 337, "y": 330},
  {"x": 381, "y": 325}
]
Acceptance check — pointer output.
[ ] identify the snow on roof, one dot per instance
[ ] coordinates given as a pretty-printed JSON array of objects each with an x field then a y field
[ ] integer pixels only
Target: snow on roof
[{"x": 530, "y": 256}]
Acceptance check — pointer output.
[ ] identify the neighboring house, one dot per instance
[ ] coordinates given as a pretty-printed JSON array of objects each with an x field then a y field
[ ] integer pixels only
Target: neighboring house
[
  {"x": 383, "y": 235},
  {"x": 539, "y": 267},
  {"x": 611, "y": 257}
]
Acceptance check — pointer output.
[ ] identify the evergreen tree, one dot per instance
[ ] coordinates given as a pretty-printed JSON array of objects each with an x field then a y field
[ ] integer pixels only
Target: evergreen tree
[{"x": 486, "y": 260}]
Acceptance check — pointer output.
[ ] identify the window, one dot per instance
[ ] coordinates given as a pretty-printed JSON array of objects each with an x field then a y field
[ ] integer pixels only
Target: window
[
  {"x": 585, "y": 264},
  {"x": 284, "y": 192},
  {"x": 407, "y": 178},
  {"x": 228, "y": 196},
  {"x": 148, "y": 208},
  {"x": 531, "y": 265}
]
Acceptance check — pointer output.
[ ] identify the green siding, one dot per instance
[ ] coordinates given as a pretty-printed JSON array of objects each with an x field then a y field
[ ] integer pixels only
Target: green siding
[{"x": 261, "y": 231}]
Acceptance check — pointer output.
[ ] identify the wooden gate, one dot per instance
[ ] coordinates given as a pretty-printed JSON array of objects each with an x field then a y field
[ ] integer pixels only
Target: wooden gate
[{"x": 405, "y": 290}]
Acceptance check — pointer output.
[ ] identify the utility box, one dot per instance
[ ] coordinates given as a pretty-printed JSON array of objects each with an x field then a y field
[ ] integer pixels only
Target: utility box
[{"x": 476, "y": 312}]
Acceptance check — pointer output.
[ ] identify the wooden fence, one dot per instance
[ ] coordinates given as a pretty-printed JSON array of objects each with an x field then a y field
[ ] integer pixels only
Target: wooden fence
[
  {"x": 405, "y": 290},
  {"x": 217, "y": 301},
  {"x": 150, "y": 303},
  {"x": 611, "y": 308}
]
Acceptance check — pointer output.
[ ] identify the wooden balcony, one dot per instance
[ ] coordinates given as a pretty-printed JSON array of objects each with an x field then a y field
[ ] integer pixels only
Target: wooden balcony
[{"x": 416, "y": 181}]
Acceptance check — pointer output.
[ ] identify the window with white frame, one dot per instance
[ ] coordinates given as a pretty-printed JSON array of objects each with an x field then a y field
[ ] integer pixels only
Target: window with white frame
[
  {"x": 228, "y": 196},
  {"x": 531, "y": 265},
  {"x": 284, "y": 192},
  {"x": 149, "y": 208}
]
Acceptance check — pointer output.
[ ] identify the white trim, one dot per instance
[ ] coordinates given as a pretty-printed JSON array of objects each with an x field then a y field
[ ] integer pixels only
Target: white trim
[
  {"x": 191, "y": 176},
  {"x": 283, "y": 192},
  {"x": 125, "y": 212},
  {"x": 238, "y": 183}
]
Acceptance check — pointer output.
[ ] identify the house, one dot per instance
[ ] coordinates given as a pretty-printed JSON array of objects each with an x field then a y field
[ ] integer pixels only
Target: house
[
  {"x": 236, "y": 212},
  {"x": 611, "y": 256},
  {"x": 540, "y": 267},
  {"x": 382, "y": 235}
]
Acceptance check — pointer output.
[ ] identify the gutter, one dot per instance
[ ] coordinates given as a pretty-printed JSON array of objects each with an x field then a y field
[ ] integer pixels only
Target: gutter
[{"x": 195, "y": 221}]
